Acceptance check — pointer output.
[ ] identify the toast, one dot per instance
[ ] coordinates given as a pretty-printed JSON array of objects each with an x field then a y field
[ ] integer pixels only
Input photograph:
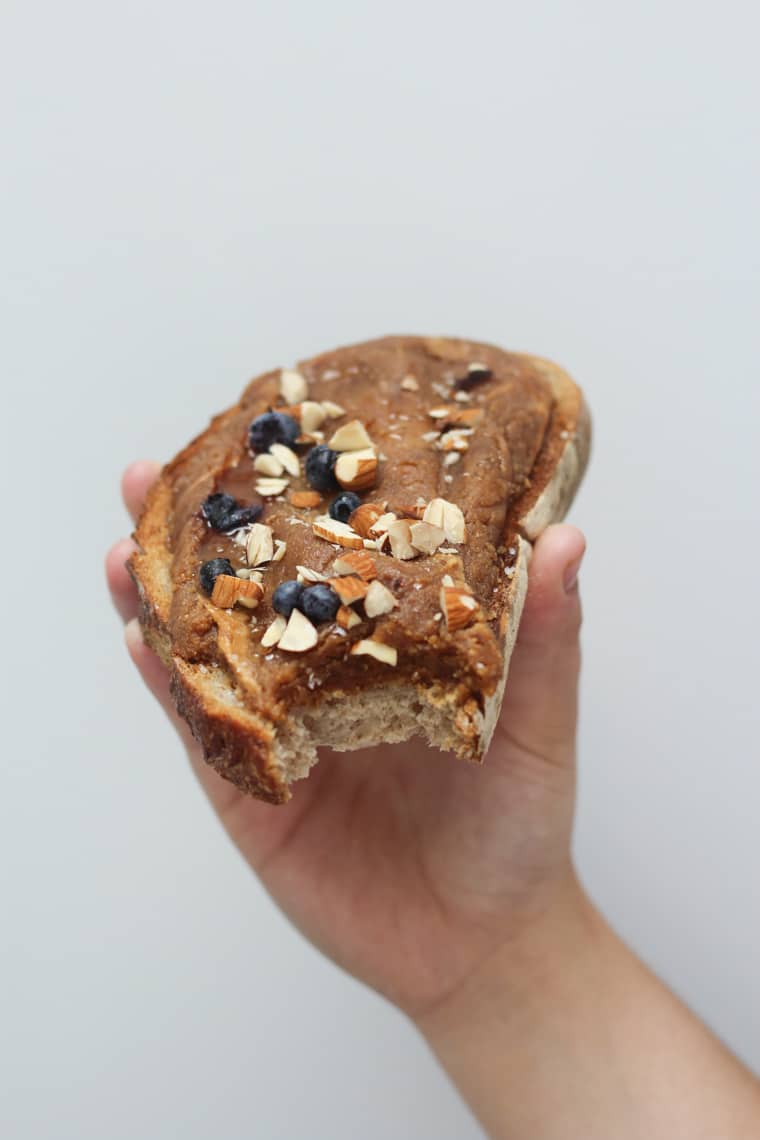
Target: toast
[{"x": 341, "y": 558}]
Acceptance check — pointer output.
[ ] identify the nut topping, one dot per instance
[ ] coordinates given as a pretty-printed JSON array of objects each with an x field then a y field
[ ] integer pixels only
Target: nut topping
[
  {"x": 377, "y": 649},
  {"x": 268, "y": 488},
  {"x": 425, "y": 537},
  {"x": 379, "y": 600},
  {"x": 305, "y": 498},
  {"x": 356, "y": 562},
  {"x": 334, "y": 531},
  {"x": 364, "y": 516},
  {"x": 448, "y": 516},
  {"x": 380, "y": 525},
  {"x": 230, "y": 591},
  {"x": 266, "y": 464},
  {"x": 279, "y": 551},
  {"x": 459, "y": 607},
  {"x": 292, "y": 386},
  {"x": 349, "y": 588},
  {"x": 356, "y": 470},
  {"x": 260, "y": 545},
  {"x": 299, "y": 636},
  {"x": 306, "y": 574},
  {"x": 313, "y": 415},
  {"x": 287, "y": 458},
  {"x": 350, "y": 437},
  {"x": 400, "y": 534},
  {"x": 274, "y": 632},
  {"x": 409, "y": 384},
  {"x": 347, "y": 618},
  {"x": 332, "y": 409}
]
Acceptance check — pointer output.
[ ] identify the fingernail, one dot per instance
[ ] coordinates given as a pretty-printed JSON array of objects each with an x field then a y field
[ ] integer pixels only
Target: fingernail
[
  {"x": 133, "y": 633},
  {"x": 570, "y": 577}
]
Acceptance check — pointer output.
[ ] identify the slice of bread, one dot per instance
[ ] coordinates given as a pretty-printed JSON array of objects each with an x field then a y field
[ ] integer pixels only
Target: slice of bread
[{"x": 427, "y": 653}]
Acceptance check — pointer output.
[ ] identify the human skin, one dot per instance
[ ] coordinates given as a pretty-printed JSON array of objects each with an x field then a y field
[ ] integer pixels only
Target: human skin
[{"x": 450, "y": 889}]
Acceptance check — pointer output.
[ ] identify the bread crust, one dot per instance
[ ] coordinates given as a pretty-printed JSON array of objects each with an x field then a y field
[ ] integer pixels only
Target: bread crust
[{"x": 261, "y": 750}]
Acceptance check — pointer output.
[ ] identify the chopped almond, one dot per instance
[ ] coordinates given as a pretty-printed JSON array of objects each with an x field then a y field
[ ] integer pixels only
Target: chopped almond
[
  {"x": 305, "y": 498},
  {"x": 409, "y": 384},
  {"x": 377, "y": 649},
  {"x": 274, "y": 631},
  {"x": 448, "y": 516},
  {"x": 380, "y": 526},
  {"x": 400, "y": 536},
  {"x": 306, "y": 574},
  {"x": 356, "y": 562},
  {"x": 299, "y": 636},
  {"x": 379, "y": 600},
  {"x": 230, "y": 591},
  {"x": 260, "y": 545},
  {"x": 280, "y": 547},
  {"x": 287, "y": 458},
  {"x": 313, "y": 415},
  {"x": 364, "y": 516},
  {"x": 356, "y": 470},
  {"x": 459, "y": 607},
  {"x": 412, "y": 512},
  {"x": 349, "y": 588},
  {"x": 347, "y": 618},
  {"x": 350, "y": 437},
  {"x": 333, "y": 410},
  {"x": 425, "y": 537},
  {"x": 268, "y": 488},
  {"x": 267, "y": 465},
  {"x": 293, "y": 386},
  {"x": 334, "y": 531}
]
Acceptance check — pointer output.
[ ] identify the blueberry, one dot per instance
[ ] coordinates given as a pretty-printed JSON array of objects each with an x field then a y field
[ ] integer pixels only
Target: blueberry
[
  {"x": 224, "y": 513},
  {"x": 272, "y": 427},
  {"x": 286, "y": 597},
  {"x": 210, "y": 571},
  {"x": 320, "y": 467},
  {"x": 319, "y": 603},
  {"x": 344, "y": 506}
]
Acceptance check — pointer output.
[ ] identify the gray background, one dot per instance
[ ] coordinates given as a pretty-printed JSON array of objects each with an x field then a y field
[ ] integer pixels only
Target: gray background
[{"x": 192, "y": 193}]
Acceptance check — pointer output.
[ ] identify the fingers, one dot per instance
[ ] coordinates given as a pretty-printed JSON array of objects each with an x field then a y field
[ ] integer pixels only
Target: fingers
[
  {"x": 136, "y": 482},
  {"x": 540, "y": 707},
  {"x": 122, "y": 589}
]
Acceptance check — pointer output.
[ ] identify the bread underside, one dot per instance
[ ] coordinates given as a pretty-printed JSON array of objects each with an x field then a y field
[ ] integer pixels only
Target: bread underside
[{"x": 264, "y": 759}]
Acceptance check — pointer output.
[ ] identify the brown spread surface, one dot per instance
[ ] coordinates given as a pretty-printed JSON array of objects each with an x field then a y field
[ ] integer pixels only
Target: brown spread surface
[{"x": 503, "y": 449}]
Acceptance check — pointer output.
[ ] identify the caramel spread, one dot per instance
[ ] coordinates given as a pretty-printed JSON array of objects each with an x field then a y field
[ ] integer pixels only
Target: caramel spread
[{"x": 492, "y": 410}]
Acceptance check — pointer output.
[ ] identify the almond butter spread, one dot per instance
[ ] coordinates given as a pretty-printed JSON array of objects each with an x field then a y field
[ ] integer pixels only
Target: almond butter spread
[{"x": 428, "y": 422}]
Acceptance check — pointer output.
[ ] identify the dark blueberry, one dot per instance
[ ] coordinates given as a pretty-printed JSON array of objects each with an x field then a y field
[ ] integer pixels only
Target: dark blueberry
[
  {"x": 224, "y": 513},
  {"x": 344, "y": 506},
  {"x": 210, "y": 571},
  {"x": 286, "y": 597},
  {"x": 272, "y": 427},
  {"x": 319, "y": 603},
  {"x": 320, "y": 468},
  {"x": 474, "y": 376}
]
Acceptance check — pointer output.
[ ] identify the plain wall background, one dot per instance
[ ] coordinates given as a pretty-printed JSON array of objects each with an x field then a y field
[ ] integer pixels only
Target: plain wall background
[{"x": 193, "y": 193}]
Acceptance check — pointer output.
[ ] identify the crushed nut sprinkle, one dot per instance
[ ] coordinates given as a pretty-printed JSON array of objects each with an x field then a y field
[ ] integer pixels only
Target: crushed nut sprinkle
[
  {"x": 333, "y": 531},
  {"x": 230, "y": 591},
  {"x": 349, "y": 588},
  {"x": 377, "y": 649},
  {"x": 299, "y": 635},
  {"x": 293, "y": 386},
  {"x": 305, "y": 498},
  {"x": 459, "y": 607},
  {"x": 356, "y": 470},
  {"x": 260, "y": 546},
  {"x": 287, "y": 458},
  {"x": 269, "y": 488},
  {"x": 356, "y": 562},
  {"x": 266, "y": 464},
  {"x": 379, "y": 600},
  {"x": 350, "y": 437}
]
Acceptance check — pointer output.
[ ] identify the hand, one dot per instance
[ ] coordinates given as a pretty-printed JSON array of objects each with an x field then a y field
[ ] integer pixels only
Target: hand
[{"x": 407, "y": 866}]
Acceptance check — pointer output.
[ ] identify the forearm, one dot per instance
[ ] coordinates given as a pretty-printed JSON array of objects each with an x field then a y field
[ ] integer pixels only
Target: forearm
[{"x": 567, "y": 1035}]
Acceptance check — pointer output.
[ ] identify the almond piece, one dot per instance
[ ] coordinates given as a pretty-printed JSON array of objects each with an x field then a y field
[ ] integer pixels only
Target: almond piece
[
  {"x": 350, "y": 437},
  {"x": 306, "y": 574},
  {"x": 305, "y": 498},
  {"x": 426, "y": 537},
  {"x": 356, "y": 470},
  {"x": 313, "y": 415},
  {"x": 299, "y": 636},
  {"x": 380, "y": 526},
  {"x": 458, "y": 606},
  {"x": 280, "y": 548},
  {"x": 260, "y": 545},
  {"x": 377, "y": 649},
  {"x": 274, "y": 632},
  {"x": 308, "y": 437},
  {"x": 230, "y": 590},
  {"x": 356, "y": 562},
  {"x": 451, "y": 457},
  {"x": 364, "y": 516},
  {"x": 379, "y": 600},
  {"x": 268, "y": 488},
  {"x": 333, "y": 410},
  {"x": 400, "y": 534},
  {"x": 453, "y": 440},
  {"x": 267, "y": 465},
  {"x": 409, "y": 384},
  {"x": 287, "y": 458},
  {"x": 349, "y": 588},
  {"x": 447, "y": 580},
  {"x": 293, "y": 386},
  {"x": 448, "y": 516},
  {"x": 451, "y": 416},
  {"x": 441, "y": 413},
  {"x": 334, "y": 531},
  {"x": 412, "y": 512},
  {"x": 347, "y": 618}
]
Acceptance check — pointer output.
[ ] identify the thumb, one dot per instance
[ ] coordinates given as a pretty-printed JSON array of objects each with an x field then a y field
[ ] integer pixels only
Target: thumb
[{"x": 540, "y": 710}]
